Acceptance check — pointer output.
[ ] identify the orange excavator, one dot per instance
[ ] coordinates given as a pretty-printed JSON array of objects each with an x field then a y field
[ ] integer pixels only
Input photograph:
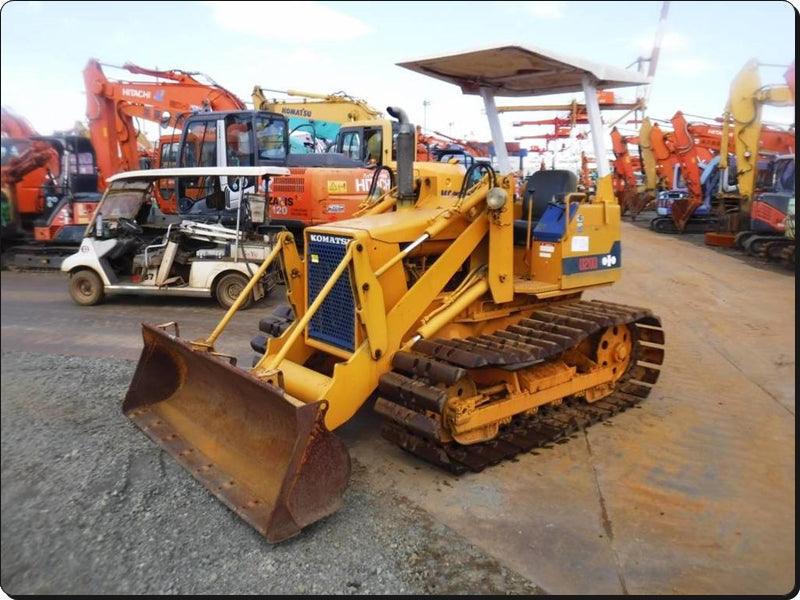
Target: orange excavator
[
  {"x": 702, "y": 152},
  {"x": 25, "y": 163},
  {"x": 633, "y": 196},
  {"x": 113, "y": 106},
  {"x": 697, "y": 149},
  {"x": 694, "y": 146},
  {"x": 49, "y": 192},
  {"x": 438, "y": 146},
  {"x": 666, "y": 160},
  {"x": 212, "y": 127}
]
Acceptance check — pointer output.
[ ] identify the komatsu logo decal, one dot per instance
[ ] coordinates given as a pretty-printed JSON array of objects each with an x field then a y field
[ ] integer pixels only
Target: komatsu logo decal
[
  {"x": 133, "y": 93},
  {"x": 297, "y": 112},
  {"x": 328, "y": 239},
  {"x": 595, "y": 262}
]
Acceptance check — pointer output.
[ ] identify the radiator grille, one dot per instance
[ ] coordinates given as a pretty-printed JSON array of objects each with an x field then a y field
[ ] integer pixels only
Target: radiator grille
[{"x": 334, "y": 322}]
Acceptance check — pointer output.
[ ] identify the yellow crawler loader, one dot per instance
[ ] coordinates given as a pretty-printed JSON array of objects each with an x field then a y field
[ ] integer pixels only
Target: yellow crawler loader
[{"x": 453, "y": 303}]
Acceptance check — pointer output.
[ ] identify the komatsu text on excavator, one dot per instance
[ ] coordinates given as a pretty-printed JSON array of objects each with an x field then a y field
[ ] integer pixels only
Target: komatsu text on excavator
[{"x": 454, "y": 305}]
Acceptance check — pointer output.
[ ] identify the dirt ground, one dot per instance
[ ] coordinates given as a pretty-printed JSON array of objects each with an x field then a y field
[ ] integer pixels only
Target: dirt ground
[{"x": 692, "y": 493}]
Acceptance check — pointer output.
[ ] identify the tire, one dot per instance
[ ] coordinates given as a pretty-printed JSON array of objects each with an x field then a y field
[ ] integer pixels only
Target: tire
[
  {"x": 228, "y": 289},
  {"x": 86, "y": 288}
]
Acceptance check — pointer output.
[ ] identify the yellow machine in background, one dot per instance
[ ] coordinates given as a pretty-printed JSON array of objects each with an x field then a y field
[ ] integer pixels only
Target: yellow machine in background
[
  {"x": 455, "y": 304},
  {"x": 316, "y": 116}
]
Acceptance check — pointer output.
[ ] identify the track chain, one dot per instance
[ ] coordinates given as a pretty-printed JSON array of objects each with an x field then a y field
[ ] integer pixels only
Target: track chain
[
  {"x": 693, "y": 225},
  {"x": 414, "y": 388}
]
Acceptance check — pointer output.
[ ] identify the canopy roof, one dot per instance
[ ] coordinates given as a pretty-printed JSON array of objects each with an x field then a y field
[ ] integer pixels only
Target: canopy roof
[{"x": 521, "y": 71}]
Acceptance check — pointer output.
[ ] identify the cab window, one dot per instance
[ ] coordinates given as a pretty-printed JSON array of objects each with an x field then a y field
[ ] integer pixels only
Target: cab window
[
  {"x": 238, "y": 140},
  {"x": 202, "y": 136},
  {"x": 271, "y": 138},
  {"x": 351, "y": 145}
]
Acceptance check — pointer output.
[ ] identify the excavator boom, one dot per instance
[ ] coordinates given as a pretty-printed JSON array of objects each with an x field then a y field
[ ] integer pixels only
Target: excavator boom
[{"x": 114, "y": 105}]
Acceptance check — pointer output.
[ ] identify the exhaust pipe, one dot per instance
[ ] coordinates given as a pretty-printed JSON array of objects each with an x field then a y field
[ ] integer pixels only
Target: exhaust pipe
[
  {"x": 267, "y": 456},
  {"x": 406, "y": 152}
]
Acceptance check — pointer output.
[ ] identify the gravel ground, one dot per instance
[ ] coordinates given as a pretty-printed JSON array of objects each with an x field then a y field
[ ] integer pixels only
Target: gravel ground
[{"x": 90, "y": 505}]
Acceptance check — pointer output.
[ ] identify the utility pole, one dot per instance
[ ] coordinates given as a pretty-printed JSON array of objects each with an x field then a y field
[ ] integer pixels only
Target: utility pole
[{"x": 425, "y": 105}]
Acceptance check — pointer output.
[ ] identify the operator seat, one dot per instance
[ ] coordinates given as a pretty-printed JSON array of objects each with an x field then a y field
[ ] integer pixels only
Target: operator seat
[{"x": 541, "y": 188}]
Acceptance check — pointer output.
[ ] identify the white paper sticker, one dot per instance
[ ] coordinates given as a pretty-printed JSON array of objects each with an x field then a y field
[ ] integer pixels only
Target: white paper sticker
[{"x": 580, "y": 243}]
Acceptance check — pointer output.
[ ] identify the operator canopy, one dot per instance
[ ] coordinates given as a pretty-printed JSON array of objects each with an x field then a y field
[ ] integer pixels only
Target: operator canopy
[{"x": 521, "y": 71}]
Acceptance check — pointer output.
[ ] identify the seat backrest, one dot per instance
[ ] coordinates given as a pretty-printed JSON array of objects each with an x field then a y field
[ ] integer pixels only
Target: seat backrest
[{"x": 542, "y": 187}]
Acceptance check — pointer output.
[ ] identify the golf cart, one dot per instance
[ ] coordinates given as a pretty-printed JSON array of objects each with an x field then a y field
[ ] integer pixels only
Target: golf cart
[{"x": 211, "y": 250}]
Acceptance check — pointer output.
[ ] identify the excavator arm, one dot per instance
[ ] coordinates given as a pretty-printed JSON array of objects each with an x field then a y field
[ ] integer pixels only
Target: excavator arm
[
  {"x": 15, "y": 126},
  {"x": 743, "y": 113},
  {"x": 690, "y": 155},
  {"x": 633, "y": 197},
  {"x": 112, "y": 107},
  {"x": 35, "y": 156},
  {"x": 661, "y": 143},
  {"x": 336, "y": 108},
  {"x": 320, "y": 116}
]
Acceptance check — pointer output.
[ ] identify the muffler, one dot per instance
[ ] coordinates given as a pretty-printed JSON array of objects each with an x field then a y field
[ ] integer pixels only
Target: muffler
[{"x": 267, "y": 456}]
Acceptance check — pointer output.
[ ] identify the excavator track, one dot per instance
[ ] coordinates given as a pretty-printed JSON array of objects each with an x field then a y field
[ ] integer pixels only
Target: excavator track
[
  {"x": 694, "y": 225},
  {"x": 413, "y": 394},
  {"x": 33, "y": 257}
]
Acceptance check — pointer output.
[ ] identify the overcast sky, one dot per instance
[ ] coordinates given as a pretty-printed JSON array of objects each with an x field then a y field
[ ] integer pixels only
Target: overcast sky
[{"x": 353, "y": 47}]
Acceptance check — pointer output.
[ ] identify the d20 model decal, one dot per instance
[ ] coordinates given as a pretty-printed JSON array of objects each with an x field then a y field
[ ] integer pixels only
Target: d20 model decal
[{"x": 594, "y": 262}]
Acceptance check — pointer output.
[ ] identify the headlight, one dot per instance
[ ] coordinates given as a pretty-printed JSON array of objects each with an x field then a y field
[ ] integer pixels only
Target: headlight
[{"x": 496, "y": 198}]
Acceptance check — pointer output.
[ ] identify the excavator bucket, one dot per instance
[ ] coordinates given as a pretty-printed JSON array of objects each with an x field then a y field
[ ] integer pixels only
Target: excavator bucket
[{"x": 267, "y": 456}]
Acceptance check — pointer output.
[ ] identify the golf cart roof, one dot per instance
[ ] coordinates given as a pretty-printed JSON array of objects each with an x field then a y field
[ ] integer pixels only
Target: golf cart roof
[
  {"x": 521, "y": 71},
  {"x": 200, "y": 172}
]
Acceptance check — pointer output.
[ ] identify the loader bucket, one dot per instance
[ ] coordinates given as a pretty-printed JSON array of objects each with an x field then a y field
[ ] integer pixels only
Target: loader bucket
[{"x": 268, "y": 457}]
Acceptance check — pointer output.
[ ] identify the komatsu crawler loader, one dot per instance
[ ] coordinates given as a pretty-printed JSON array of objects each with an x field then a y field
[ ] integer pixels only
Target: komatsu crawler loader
[{"x": 457, "y": 306}]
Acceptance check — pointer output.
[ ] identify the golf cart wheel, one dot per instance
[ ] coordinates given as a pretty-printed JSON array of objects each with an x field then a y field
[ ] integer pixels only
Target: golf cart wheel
[
  {"x": 86, "y": 288},
  {"x": 228, "y": 289}
]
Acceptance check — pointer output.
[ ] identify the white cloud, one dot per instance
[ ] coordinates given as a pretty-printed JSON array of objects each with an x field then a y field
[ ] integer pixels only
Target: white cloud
[
  {"x": 545, "y": 9},
  {"x": 301, "y": 22}
]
